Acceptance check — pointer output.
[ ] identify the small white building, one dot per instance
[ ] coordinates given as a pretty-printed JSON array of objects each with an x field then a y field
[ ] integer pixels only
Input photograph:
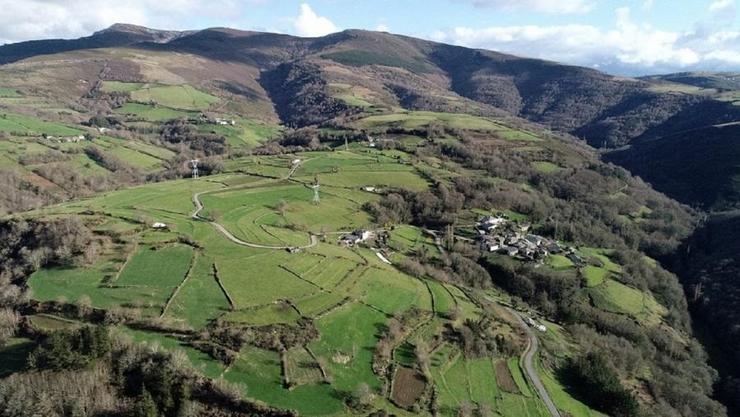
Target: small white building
[{"x": 159, "y": 226}]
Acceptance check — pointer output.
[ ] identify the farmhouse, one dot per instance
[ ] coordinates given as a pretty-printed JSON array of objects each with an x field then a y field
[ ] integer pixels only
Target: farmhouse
[
  {"x": 159, "y": 226},
  {"x": 358, "y": 236},
  {"x": 224, "y": 122}
]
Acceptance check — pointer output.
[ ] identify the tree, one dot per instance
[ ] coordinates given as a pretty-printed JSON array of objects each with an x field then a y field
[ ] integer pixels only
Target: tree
[
  {"x": 421, "y": 351},
  {"x": 596, "y": 382},
  {"x": 363, "y": 395},
  {"x": 145, "y": 406},
  {"x": 9, "y": 320}
]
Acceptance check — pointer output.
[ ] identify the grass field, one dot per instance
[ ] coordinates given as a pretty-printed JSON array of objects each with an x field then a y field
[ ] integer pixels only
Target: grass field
[
  {"x": 19, "y": 125},
  {"x": 6, "y": 92},
  {"x": 619, "y": 298},
  {"x": 545, "y": 167},
  {"x": 259, "y": 371},
  {"x": 245, "y": 133},
  {"x": 474, "y": 381},
  {"x": 153, "y": 113},
  {"x": 559, "y": 262},
  {"x": 350, "y": 293},
  {"x": 419, "y": 119},
  {"x": 120, "y": 86},
  {"x": 594, "y": 275},
  {"x": 200, "y": 299},
  {"x": 182, "y": 97},
  {"x": 348, "y": 337}
]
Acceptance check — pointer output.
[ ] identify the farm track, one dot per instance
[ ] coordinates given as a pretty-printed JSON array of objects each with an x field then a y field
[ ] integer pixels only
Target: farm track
[{"x": 313, "y": 240}]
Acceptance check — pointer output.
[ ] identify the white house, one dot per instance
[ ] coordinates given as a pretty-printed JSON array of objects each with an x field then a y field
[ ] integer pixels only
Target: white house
[{"x": 159, "y": 226}]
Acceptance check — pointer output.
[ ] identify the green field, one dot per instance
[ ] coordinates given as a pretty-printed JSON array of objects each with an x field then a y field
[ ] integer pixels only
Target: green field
[
  {"x": 153, "y": 113},
  {"x": 418, "y": 119},
  {"x": 619, "y": 298},
  {"x": 349, "y": 292},
  {"x": 594, "y": 275},
  {"x": 20, "y": 125},
  {"x": 348, "y": 336},
  {"x": 120, "y": 86},
  {"x": 259, "y": 372},
  {"x": 182, "y": 97},
  {"x": 6, "y": 92},
  {"x": 545, "y": 167},
  {"x": 245, "y": 132}
]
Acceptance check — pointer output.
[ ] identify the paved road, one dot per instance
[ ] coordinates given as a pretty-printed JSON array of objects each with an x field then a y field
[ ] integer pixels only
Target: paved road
[{"x": 529, "y": 354}]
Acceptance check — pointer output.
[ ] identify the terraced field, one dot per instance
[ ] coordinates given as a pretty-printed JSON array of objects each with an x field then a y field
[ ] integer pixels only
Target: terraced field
[{"x": 191, "y": 275}]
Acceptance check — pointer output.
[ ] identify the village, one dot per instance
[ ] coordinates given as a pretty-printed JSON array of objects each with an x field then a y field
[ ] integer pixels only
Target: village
[{"x": 499, "y": 234}]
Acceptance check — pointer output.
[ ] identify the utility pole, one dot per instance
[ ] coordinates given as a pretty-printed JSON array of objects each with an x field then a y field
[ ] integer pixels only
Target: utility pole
[
  {"x": 315, "y": 187},
  {"x": 194, "y": 165}
]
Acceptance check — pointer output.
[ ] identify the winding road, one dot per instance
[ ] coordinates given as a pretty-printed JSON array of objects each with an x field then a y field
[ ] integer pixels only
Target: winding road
[
  {"x": 313, "y": 240},
  {"x": 528, "y": 360},
  {"x": 532, "y": 346}
]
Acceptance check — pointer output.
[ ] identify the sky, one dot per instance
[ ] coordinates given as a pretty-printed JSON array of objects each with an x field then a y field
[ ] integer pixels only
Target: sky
[{"x": 629, "y": 37}]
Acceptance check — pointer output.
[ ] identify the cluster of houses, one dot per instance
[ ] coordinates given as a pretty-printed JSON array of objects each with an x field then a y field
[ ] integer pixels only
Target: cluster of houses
[
  {"x": 498, "y": 234},
  {"x": 64, "y": 139}
]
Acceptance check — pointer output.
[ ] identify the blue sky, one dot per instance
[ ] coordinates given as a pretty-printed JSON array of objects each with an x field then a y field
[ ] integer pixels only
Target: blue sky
[{"x": 619, "y": 36}]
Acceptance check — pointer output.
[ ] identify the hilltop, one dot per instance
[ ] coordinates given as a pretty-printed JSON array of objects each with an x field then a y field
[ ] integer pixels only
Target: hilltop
[{"x": 311, "y": 80}]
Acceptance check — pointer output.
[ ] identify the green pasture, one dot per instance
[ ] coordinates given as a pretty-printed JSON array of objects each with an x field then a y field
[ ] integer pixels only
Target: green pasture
[
  {"x": 182, "y": 97},
  {"x": 19, "y": 125},
  {"x": 120, "y": 86},
  {"x": 258, "y": 371},
  {"x": 153, "y": 113},
  {"x": 420, "y": 119},
  {"x": 616, "y": 297},
  {"x": 200, "y": 299},
  {"x": 348, "y": 338}
]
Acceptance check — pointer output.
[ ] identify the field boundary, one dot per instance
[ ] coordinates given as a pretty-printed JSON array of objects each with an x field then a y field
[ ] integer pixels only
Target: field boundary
[
  {"x": 188, "y": 273},
  {"x": 223, "y": 289}
]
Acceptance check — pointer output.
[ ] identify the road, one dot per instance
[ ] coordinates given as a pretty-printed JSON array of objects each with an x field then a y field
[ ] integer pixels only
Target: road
[
  {"x": 528, "y": 359},
  {"x": 313, "y": 240}
]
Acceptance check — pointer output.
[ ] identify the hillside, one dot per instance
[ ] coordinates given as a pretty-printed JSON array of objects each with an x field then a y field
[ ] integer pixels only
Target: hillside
[
  {"x": 697, "y": 167},
  {"x": 333, "y": 258},
  {"x": 324, "y": 77},
  {"x": 709, "y": 263}
]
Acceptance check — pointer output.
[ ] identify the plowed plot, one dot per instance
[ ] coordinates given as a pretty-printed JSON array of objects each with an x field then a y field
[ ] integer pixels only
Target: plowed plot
[
  {"x": 504, "y": 378},
  {"x": 408, "y": 386}
]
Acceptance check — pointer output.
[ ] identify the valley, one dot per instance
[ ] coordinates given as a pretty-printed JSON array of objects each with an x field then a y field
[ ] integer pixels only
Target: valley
[{"x": 329, "y": 259}]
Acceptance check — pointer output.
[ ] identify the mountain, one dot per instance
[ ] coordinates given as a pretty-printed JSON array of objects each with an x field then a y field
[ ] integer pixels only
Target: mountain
[
  {"x": 116, "y": 35},
  {"x": 338, "y": 255}
]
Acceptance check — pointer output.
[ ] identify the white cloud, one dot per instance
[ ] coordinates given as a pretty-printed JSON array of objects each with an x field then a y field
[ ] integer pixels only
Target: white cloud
[
  {"x": 308, "y": 23},
  {"x": 544, "y": 6},
  {"x": 40, "y": 19},
  {"x": 647, "y": 5},
  {"x": 718, "y": 6},
  {"x": 628, "y": 47},
  {"x": 382, "y": 27}
]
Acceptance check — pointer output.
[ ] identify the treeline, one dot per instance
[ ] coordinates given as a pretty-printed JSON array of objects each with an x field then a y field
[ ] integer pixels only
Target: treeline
[{"x": 91, "y": 372}]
